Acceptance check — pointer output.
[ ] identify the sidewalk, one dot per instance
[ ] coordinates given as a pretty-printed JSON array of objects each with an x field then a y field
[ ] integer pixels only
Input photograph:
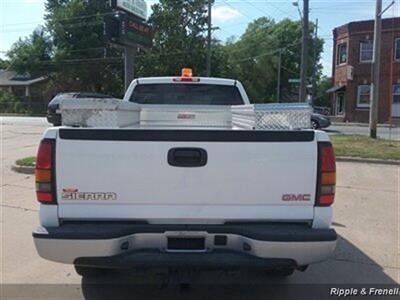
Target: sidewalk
[{"x": 362, "y": 124}]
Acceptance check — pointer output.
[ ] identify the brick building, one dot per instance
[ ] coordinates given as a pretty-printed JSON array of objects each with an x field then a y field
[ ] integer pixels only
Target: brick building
[{"x": 351, "y": 71}]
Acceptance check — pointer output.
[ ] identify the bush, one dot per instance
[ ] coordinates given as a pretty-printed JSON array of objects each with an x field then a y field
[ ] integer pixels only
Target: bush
[
  {"x": 26, "y": 162},
  {"x": 9, "y": 103}
]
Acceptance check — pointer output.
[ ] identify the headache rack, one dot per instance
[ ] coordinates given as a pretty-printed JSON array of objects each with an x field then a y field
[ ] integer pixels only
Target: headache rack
[{"x": 114, "y": 113}]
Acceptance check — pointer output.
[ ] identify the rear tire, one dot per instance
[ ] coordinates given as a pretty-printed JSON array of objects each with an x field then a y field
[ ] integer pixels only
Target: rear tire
[
  {"x": 281, "y": 272},
  {"x": 89, "y": 272}
]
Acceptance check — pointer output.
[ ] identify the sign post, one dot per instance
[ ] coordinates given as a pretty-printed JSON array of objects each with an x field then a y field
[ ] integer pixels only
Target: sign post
[
  {"x": 129, "y": 66},
  {"x": 127, "y": 28}
]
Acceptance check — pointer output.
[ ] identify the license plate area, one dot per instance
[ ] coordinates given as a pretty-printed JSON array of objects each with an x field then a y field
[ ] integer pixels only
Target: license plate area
[{"x": 186, "y": 244}]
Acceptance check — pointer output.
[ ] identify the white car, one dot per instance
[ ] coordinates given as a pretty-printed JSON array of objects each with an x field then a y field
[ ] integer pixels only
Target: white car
[{"x": 192, "y": 197}]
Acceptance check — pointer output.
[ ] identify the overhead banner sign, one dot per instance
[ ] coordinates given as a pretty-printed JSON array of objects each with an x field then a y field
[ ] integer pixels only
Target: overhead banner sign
[{"x": 135, "y": 7}]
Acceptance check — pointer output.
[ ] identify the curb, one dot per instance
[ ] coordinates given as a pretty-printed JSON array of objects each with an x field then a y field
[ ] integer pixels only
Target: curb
[
  {"x": 23, "y": 169},
  {"x": 369, "y": 160},
  {"x": 349, "y": 124}
]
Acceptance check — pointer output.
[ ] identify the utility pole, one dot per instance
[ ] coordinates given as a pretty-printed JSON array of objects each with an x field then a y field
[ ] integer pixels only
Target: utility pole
[
  {"x": 373, "y": 111},
  {"x": 129, "y": 66},
  {"x": 208, "y": 65},
  {"x": 278, "y": 86},
  {"x": 304, "y": 52},
  {"x": 314, "y": 71}
]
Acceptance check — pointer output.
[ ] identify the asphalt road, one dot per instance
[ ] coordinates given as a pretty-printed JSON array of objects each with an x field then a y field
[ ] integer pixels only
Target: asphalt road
[{"x": 366, "y": 217}]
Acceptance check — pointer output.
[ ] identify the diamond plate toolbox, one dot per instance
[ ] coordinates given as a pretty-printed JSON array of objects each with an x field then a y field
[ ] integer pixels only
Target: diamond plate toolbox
[
  {"x": 92, "y": 112},
  {"x": 273, "y": 116}
]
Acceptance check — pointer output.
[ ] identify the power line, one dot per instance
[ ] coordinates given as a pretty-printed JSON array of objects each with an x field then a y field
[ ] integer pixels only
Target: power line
[
  {"x": 64, "y": 19},
  {"x": 281, "y": 10},
  {"x": 242, "y": 13},
  {"x": 259, "y": 9},
  {"x": 269, "y": 52},
  {"x": 66, "y": 26}
]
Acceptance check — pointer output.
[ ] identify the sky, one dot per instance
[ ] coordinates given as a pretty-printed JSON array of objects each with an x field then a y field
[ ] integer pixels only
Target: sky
[{"x": 18, "y": 18}]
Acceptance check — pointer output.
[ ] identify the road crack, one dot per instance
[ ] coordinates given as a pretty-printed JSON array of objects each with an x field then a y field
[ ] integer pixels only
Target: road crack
[
  {"x": 19, "y": 207},
  {"x": 365, "y": 188}
]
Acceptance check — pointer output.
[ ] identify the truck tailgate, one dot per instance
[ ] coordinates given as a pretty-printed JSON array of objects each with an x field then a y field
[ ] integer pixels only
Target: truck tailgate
[{"x": 128, "y": 174}]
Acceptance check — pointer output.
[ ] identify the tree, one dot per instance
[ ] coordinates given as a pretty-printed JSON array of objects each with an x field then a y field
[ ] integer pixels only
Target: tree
[
  {"x": 9, "y": 103},
  {"x": 253, "y": 59},
  {"x": 4, "y": 64},
  {"x": 323, "y": 99},
  {"x": 31, "y": 55},
  {"x": 179, "y": 40},
  {"x": 82, "y": 60}
]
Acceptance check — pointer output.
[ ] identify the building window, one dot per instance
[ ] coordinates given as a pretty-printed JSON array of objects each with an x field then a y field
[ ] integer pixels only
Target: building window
[
  {"x": 366, "y": 51},
  {"x": 396, "y": 93},
  {"x": 397, "y": 49},
  {"x": 363, "y": 95},
  {"x": 342, "y": 53}
]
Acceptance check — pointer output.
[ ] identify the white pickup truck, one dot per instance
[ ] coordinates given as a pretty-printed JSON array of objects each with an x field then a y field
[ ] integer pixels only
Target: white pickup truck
[{"x": 189, "y": 197}]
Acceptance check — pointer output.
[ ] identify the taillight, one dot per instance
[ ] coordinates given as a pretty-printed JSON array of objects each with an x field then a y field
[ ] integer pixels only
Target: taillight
[
  {"x": 44, "y": 172},
  {"x": 326, "y": 181}
]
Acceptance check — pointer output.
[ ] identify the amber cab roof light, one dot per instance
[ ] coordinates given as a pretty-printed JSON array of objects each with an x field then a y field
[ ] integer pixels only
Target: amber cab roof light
[
  {"x": 187, "y": 72},
  {"x": 186, "y": 76}
]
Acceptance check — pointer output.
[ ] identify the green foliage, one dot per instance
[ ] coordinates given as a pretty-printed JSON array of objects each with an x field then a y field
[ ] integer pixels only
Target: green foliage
[
  {"x": 179, "y": 39},
  {"x": 10, "y": 104},
  {"x": 32, "y": 54},
  {"x": 80, "y": 60},
  {"x": 26, "y": 162},
  {"x": 72, "y": 49},
  {"x": 4, "y": 64},
  {"x": 253, "y": 59},
  {"x": 323, "y": 99}
]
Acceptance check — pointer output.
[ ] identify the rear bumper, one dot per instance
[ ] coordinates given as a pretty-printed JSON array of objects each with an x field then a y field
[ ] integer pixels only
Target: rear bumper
[{"x": 127, "y": 245}]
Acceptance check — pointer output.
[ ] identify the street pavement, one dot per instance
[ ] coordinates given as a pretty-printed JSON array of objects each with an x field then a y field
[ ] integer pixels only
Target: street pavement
[
  {"x": 366, "y": 217},
  {"x": 35, "y": 121}
]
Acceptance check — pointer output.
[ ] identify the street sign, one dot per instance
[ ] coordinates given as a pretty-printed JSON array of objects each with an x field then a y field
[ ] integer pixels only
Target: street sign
[
  {"x": 294, "y": 80},
  {"x": 135, "y": 7},
  {"x": 125, "y": 30}
]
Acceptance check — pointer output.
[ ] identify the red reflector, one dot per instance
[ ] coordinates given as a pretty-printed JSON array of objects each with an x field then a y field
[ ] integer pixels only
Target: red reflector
[
  {"x": 327, "y": 159},
  {"x": 326, "y": 199},
  {"x": 43, "y": 159},
  {"x": 44, "y": 197}
]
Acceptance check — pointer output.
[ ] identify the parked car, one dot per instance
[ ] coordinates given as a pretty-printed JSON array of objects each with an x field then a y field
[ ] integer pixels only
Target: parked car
[
  {"x": 53, "y": 113},
  {"x": 182, "y": 197},
  {"x": 321, "y": 110},
  {"x": 319, "y": 121}
]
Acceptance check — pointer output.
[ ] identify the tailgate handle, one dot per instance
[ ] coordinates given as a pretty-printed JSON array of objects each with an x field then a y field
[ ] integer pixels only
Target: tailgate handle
[{"x": 187, "y": 157}]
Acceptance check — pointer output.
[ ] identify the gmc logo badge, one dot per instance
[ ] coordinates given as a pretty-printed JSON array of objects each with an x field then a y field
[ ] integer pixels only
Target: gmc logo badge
[{"x": 298, "y": 197}]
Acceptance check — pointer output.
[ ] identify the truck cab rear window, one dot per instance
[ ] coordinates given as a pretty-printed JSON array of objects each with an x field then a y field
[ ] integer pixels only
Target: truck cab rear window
[{"x": 186, "y": 94}]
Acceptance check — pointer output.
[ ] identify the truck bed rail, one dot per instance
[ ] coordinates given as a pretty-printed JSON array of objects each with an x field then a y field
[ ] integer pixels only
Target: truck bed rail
[{"x": 113, "y": 113}]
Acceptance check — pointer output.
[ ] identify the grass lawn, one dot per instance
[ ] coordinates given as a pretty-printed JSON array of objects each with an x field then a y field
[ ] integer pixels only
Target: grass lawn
[
  {"x": 365, "y": 147},
  {"x": 26, "y": 162}
]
